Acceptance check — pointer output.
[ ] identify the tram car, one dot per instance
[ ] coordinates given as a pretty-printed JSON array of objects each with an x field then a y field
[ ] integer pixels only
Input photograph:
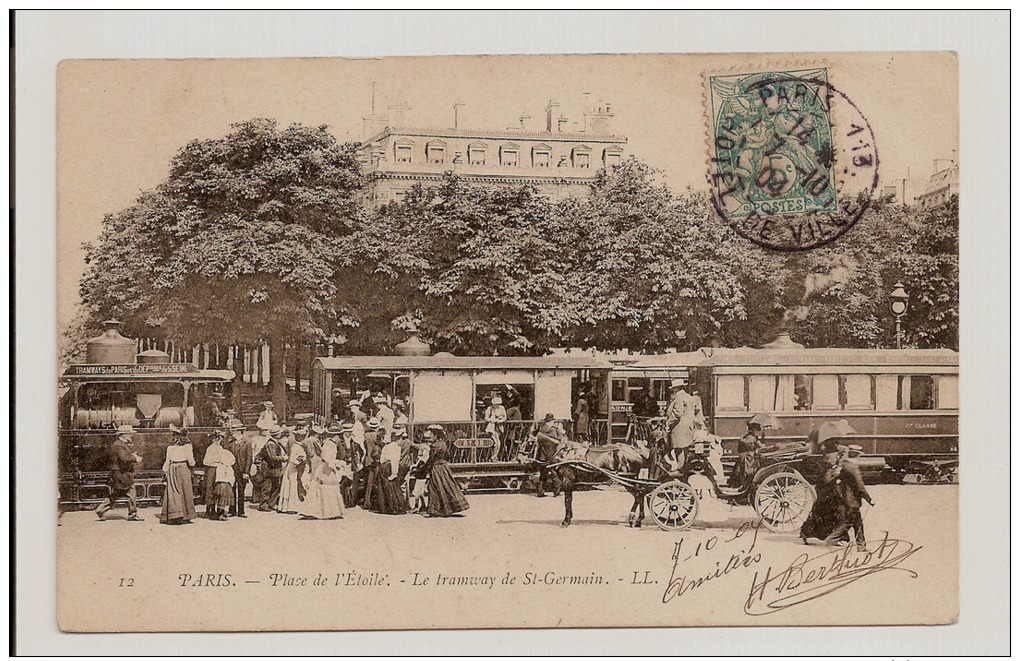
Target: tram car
[
  {"x": 118, "y": 385},
  {"x": 455, "y": 391},
  {"x": 640, "y": 388},
  {"x": 903, "y": 404}
]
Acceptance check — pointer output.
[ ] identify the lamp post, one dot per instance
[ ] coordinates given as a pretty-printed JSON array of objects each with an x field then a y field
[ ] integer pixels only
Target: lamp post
[{"x": 898, "y": 304}]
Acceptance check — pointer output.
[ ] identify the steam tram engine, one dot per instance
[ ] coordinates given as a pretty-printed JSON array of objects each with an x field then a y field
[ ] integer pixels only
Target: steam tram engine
[{"x": 118, "y": 385}]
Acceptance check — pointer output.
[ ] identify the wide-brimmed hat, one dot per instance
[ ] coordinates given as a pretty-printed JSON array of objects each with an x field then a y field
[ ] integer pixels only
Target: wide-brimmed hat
[
  {"x": 373, "y": 423},
  {"x": 318, "y": 429},
  {"x": 347, "y": 427},
  {"x": 830, "y": 432},
  {"x": 354, "y": 404},
  {"x": 677, "y": 383},
  {"x": 235, "y": 425},
  {"x": 124, "y": 430},
  {"x": 218, "y": 433},
  {"x": 174, "y": 429},
  {"x": 276, "y": 430},
  {"x": 335, "y": 428},
  {"x": 268, "y": 405}
]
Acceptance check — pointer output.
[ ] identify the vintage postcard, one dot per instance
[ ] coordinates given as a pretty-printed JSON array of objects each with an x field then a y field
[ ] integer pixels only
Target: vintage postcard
[{"x": 508, "y": 342}]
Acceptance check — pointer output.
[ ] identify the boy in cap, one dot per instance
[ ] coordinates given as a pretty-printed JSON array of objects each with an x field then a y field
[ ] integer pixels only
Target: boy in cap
[{"x": 123, "y": 460}]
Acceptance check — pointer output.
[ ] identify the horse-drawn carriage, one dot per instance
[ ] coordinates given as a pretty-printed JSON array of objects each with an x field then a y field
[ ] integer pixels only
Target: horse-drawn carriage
[{"x": 780, "y": 491}]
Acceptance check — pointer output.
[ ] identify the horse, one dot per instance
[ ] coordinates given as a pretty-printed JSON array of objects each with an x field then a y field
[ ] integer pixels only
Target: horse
[{"x": 618, "y": 458}]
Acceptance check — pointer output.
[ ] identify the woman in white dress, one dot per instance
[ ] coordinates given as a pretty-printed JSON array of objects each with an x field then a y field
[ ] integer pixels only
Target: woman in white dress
[
  {"x": 293, "y": 487},
  {"x": 324, "y": 500}
]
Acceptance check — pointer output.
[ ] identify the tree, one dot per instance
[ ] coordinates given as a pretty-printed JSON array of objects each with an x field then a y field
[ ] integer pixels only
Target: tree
[
  {"x": 240, "y": 244},
  {"x": 480, "y": 268},
  {"x": 650, "y": 270}
]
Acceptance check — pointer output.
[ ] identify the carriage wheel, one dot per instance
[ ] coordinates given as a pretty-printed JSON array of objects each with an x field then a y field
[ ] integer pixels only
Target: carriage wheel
[
  {"x": 673, "y": 505},
  {"x": 783, "y": 501}
]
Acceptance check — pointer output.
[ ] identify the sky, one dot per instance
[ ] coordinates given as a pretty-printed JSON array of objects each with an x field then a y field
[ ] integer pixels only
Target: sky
[{"x": 121, "y": 121}]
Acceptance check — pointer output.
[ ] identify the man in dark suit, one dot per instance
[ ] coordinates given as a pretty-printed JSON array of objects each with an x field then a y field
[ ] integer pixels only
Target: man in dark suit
[
  {"x": 271, "y": 459},
  {"x": 548, "y": 438},
  {"x": 242, "y": 451},
  {"x": 123, "y": 460},
  {"x": 850, "y": 489}
]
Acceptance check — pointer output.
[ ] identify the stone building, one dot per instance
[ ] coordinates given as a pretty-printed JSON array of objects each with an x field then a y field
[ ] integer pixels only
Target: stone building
[
  {"x": 561, "y": 160},
  {"x": 942, "y": 185}
]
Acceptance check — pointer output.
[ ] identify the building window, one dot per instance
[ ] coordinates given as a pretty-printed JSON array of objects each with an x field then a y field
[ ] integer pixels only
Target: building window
[
  {"x": 402, "y": 152},
  {"x": 611, "y": 156},
  {"x": 581, "y": 157},
  {"x": 541, "y": 156},
  {"x": 508, "y": 156},
  {"x": 476, "y": 154},
  {"x": 435, "y": 152}
]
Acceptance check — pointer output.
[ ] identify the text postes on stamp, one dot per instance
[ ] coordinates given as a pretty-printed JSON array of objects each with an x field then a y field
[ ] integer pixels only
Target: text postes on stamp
[{"x": 793, "y": 163}]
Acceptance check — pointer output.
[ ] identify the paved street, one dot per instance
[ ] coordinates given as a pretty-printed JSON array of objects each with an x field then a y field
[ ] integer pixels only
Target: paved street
[{"x": 270, "y": 560}]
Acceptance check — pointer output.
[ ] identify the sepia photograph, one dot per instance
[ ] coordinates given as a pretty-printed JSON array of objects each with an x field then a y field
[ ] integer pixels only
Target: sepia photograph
[
  {"x": 544, "y": 341},
  {"x": 619, "y": 329}
]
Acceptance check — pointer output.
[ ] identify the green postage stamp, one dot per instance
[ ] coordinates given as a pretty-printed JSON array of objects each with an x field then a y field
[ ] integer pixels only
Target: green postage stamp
[{"x": 782, "y": 173}]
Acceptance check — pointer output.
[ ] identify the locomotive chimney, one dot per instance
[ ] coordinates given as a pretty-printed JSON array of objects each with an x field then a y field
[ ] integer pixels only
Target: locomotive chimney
[
  {"x": 110, "y": 348},
  {"x": 413, "y": 345}
]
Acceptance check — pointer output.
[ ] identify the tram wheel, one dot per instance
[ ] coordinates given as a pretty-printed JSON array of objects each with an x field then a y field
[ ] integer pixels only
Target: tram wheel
[
  {"x": 783, "y": 501},
  {"x": 673, "y": 505}
]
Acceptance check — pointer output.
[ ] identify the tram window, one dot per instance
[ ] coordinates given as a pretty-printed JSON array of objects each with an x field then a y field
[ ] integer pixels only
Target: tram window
[
  {"x": 826, "y": 393},
  {"x": 949, "y": 396},
  {"x": 771, "y": 393},
  {"x": 619, "y": 390},
  {"x": 886, "y": 393},
  {"x": 922, "y": 393},
  {"x": 916, "y": 393},
  {"x": 730, "y": 393},
  {"x": 802, "y": 392},
  {"x": 521, "y": 396},
  {"x": 858, "y": 393}
]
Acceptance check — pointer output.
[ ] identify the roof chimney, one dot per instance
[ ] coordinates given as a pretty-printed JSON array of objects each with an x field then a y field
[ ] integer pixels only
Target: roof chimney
[
  {"x": 550, "y": 114},
  {"x": 398, "y": 113}
]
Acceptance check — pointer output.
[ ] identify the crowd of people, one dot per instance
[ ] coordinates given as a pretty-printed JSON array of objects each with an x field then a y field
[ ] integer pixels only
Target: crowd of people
[
  {"x": 301, "y": 468},
  {"x": 369, "y": 460}
]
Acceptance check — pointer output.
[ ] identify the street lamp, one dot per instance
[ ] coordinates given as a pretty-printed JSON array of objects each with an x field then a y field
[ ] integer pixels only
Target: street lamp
[{"x": 898, "y": 303}]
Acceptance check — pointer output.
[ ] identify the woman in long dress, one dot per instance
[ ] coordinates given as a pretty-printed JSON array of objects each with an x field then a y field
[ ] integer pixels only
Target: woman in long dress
[
  {"x": 391, "y": 487},
  {"x": 292, "y": 489},
  {"x": 221, "y": 461},
  {"x": 323, "y": 500},
  {"x": 178, "y": 497},
  {"x": 445, "y": 497}
]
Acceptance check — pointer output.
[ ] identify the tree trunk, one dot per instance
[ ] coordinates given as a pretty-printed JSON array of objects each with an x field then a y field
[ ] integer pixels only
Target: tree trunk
[
  {"x": 278, "y": 377},
  {"x": 238, "y": 387}
]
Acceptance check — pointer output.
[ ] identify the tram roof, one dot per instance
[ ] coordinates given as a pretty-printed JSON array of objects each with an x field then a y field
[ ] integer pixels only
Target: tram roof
[
  {"x": 828, "y": 356},
  {"x": 467, "y": 363}
]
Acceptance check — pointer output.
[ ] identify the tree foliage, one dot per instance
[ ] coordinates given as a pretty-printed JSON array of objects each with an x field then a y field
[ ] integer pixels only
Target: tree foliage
[
  {"x": 241, "y": 243},
  {"x": 260, "y": 236}
]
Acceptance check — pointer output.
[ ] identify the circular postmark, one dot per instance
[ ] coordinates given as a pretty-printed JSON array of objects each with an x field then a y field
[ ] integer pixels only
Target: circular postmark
[{"x": 793, "y": 160}]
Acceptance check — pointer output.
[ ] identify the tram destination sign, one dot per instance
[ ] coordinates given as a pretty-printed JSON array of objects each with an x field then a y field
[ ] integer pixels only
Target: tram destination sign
[{"x": 129, "y": 369}]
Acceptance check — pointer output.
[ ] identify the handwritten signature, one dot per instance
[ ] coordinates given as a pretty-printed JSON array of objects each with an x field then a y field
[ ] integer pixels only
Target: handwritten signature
[{"x": 809, "y": 578}]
